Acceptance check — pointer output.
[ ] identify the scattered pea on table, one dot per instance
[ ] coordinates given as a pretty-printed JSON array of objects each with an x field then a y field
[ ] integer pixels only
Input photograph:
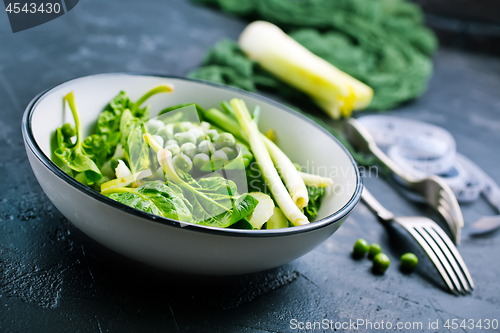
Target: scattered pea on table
[
  {"x": 374, "y": 250},
  {"x": 360, "y": 247},
  {"x": 381, "y": 262},
  {"x": 409, "y": 261}
]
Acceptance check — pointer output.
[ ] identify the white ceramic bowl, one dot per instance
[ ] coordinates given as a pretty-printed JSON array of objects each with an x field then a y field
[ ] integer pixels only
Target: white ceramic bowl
[{"x": 162, "y": 242}]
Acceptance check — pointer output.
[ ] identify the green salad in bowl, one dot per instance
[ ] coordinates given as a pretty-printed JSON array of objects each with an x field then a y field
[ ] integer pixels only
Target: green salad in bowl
[{"x": 209, "y": 167}]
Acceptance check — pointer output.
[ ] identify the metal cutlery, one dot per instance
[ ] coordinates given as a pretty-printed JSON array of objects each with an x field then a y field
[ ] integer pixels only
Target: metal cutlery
[
  {"x": 433, "y": 189},
  {"x": 435, "y": 243}
]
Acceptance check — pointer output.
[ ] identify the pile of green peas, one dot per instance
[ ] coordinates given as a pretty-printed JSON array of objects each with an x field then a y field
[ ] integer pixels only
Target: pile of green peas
[
  {"x": 193, "y": 146},
  {"x": 380, "y": 260}
]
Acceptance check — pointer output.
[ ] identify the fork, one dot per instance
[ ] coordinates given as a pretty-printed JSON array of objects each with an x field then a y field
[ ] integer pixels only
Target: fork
[
  {"x": 436, "y": 192},
  {"x": 433, "y": 240}
]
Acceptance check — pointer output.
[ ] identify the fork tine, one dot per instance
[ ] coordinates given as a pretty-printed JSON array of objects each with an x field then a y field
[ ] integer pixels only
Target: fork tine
[
  {"x": 451, "y": 258},
  {"x": 441, "y": 256},
  {"x": 445, "y": 211},
  {"x": 444, "y": 196},
  {"x": 456, "y": 254},
  {"x": 432, "y": 257},
  {"x": 455, "y": 211}
]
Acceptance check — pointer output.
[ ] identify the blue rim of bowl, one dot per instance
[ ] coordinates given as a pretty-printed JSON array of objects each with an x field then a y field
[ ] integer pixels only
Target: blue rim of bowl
[{"x": 47, "y": 162}]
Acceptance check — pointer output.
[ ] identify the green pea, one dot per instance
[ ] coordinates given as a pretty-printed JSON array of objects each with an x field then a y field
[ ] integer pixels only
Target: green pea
[
  {"x": 219, "y": 158},
  {"x": 198, "y": 134},
  {"x": 374, "y": 250},
  {"x": 224, "y": 140},
  {"x": 206, "y": 147},
  {"x": 68, "y": 130},
  {"x": 205, "y": 126},
  {"x": 177, "y": 128},
  {"x": 174, "y": 149},
  {"x": 171, "y": 142},
  {"x": 219, "y": 155},
  {"x": 154, "y": 125},
  {"x": 189, "y": 149},
  {"x": 409, "y": 261},
  {"x": 184, "y": 137},
  {"x": 183, "y": 162},
  {"x": 230, "y": 153},
  {"x": 201, "y": 138},
  {"x": 360, "y": 247},
  {"x": 213, "y": 134},
  {"x": 186, "y": 126},
  {"x": 381, "y": 262},
  {"x": 166, "y": 133},
  {"x": 200, "y": 160}
]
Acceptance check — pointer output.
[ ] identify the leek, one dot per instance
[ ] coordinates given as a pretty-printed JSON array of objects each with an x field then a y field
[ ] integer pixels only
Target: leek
[
  {"x": 230, "y": 125},
  {"x": 277, "y": 220},
  {"x": 269, "y": 172},
  {"x": 336, "y": 92},
  {"x": 263, "y": 211},
  {"x": 314, "y": 180},
  {"x": 291, "y": 177}
]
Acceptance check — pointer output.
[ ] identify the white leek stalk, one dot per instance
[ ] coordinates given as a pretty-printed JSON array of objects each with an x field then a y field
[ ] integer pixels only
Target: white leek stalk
[
  {"x": 291, "y": 177},
  {"x": 124, "y": 181},
  {"x": 315, "y": 181},
  {"x": 277, "y": 220},
  {"x": 123, "y": 177},
  {"x": 122, "y": 170},
  {"x": 269, "y": 172},
  {"x": 263, "y": 211},
  {"x": 336, "y": 92}
]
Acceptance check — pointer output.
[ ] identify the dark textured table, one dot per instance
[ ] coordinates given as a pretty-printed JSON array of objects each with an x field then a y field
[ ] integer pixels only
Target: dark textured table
[{"x": 53, "y": 278}]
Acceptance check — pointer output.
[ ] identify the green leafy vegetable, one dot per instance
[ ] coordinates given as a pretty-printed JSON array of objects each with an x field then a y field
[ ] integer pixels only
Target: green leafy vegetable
[
  {"x": 315, "y": 196},
  {"x": 96, "y": 148},
  {"x": 109, "y": 122},
  {"x": 74, "y": 156},
  {"x": 138, "y": 151},
  {"x": 109, "y": 119},
  {"x": 213, "y": 198},
  {"x": 156, "y": 198},
  {"x": 269, "y": 172},
  {"x": 214, "y": 201}
]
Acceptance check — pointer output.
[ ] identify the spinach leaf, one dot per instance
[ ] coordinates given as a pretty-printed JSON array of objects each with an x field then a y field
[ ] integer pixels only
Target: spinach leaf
[
  {"x": 214, "y": 202},
  {"x": 109, "y": 119},
  {"x": 138, "y": 153},
  {"x": 206, "y": 213},
  {"x": 156, "y": 198},
  {"x": 59, "y": 141},
  {"x": 315, "y": 196},
  {"x": 73, "y": 156},
  {"x": 127, "y": 124},
  {"x": 109, "y": 122},
  {"x": 96, "y": 148}
]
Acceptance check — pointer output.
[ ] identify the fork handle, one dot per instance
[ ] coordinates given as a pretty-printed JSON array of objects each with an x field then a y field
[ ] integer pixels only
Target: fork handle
[
  {"x": 363, "y": 140},
  {"x": 376, "y": 207}
]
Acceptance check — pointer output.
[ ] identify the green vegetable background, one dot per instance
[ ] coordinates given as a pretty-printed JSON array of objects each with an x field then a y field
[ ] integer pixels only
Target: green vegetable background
[{"x": 383, "y": 43}]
